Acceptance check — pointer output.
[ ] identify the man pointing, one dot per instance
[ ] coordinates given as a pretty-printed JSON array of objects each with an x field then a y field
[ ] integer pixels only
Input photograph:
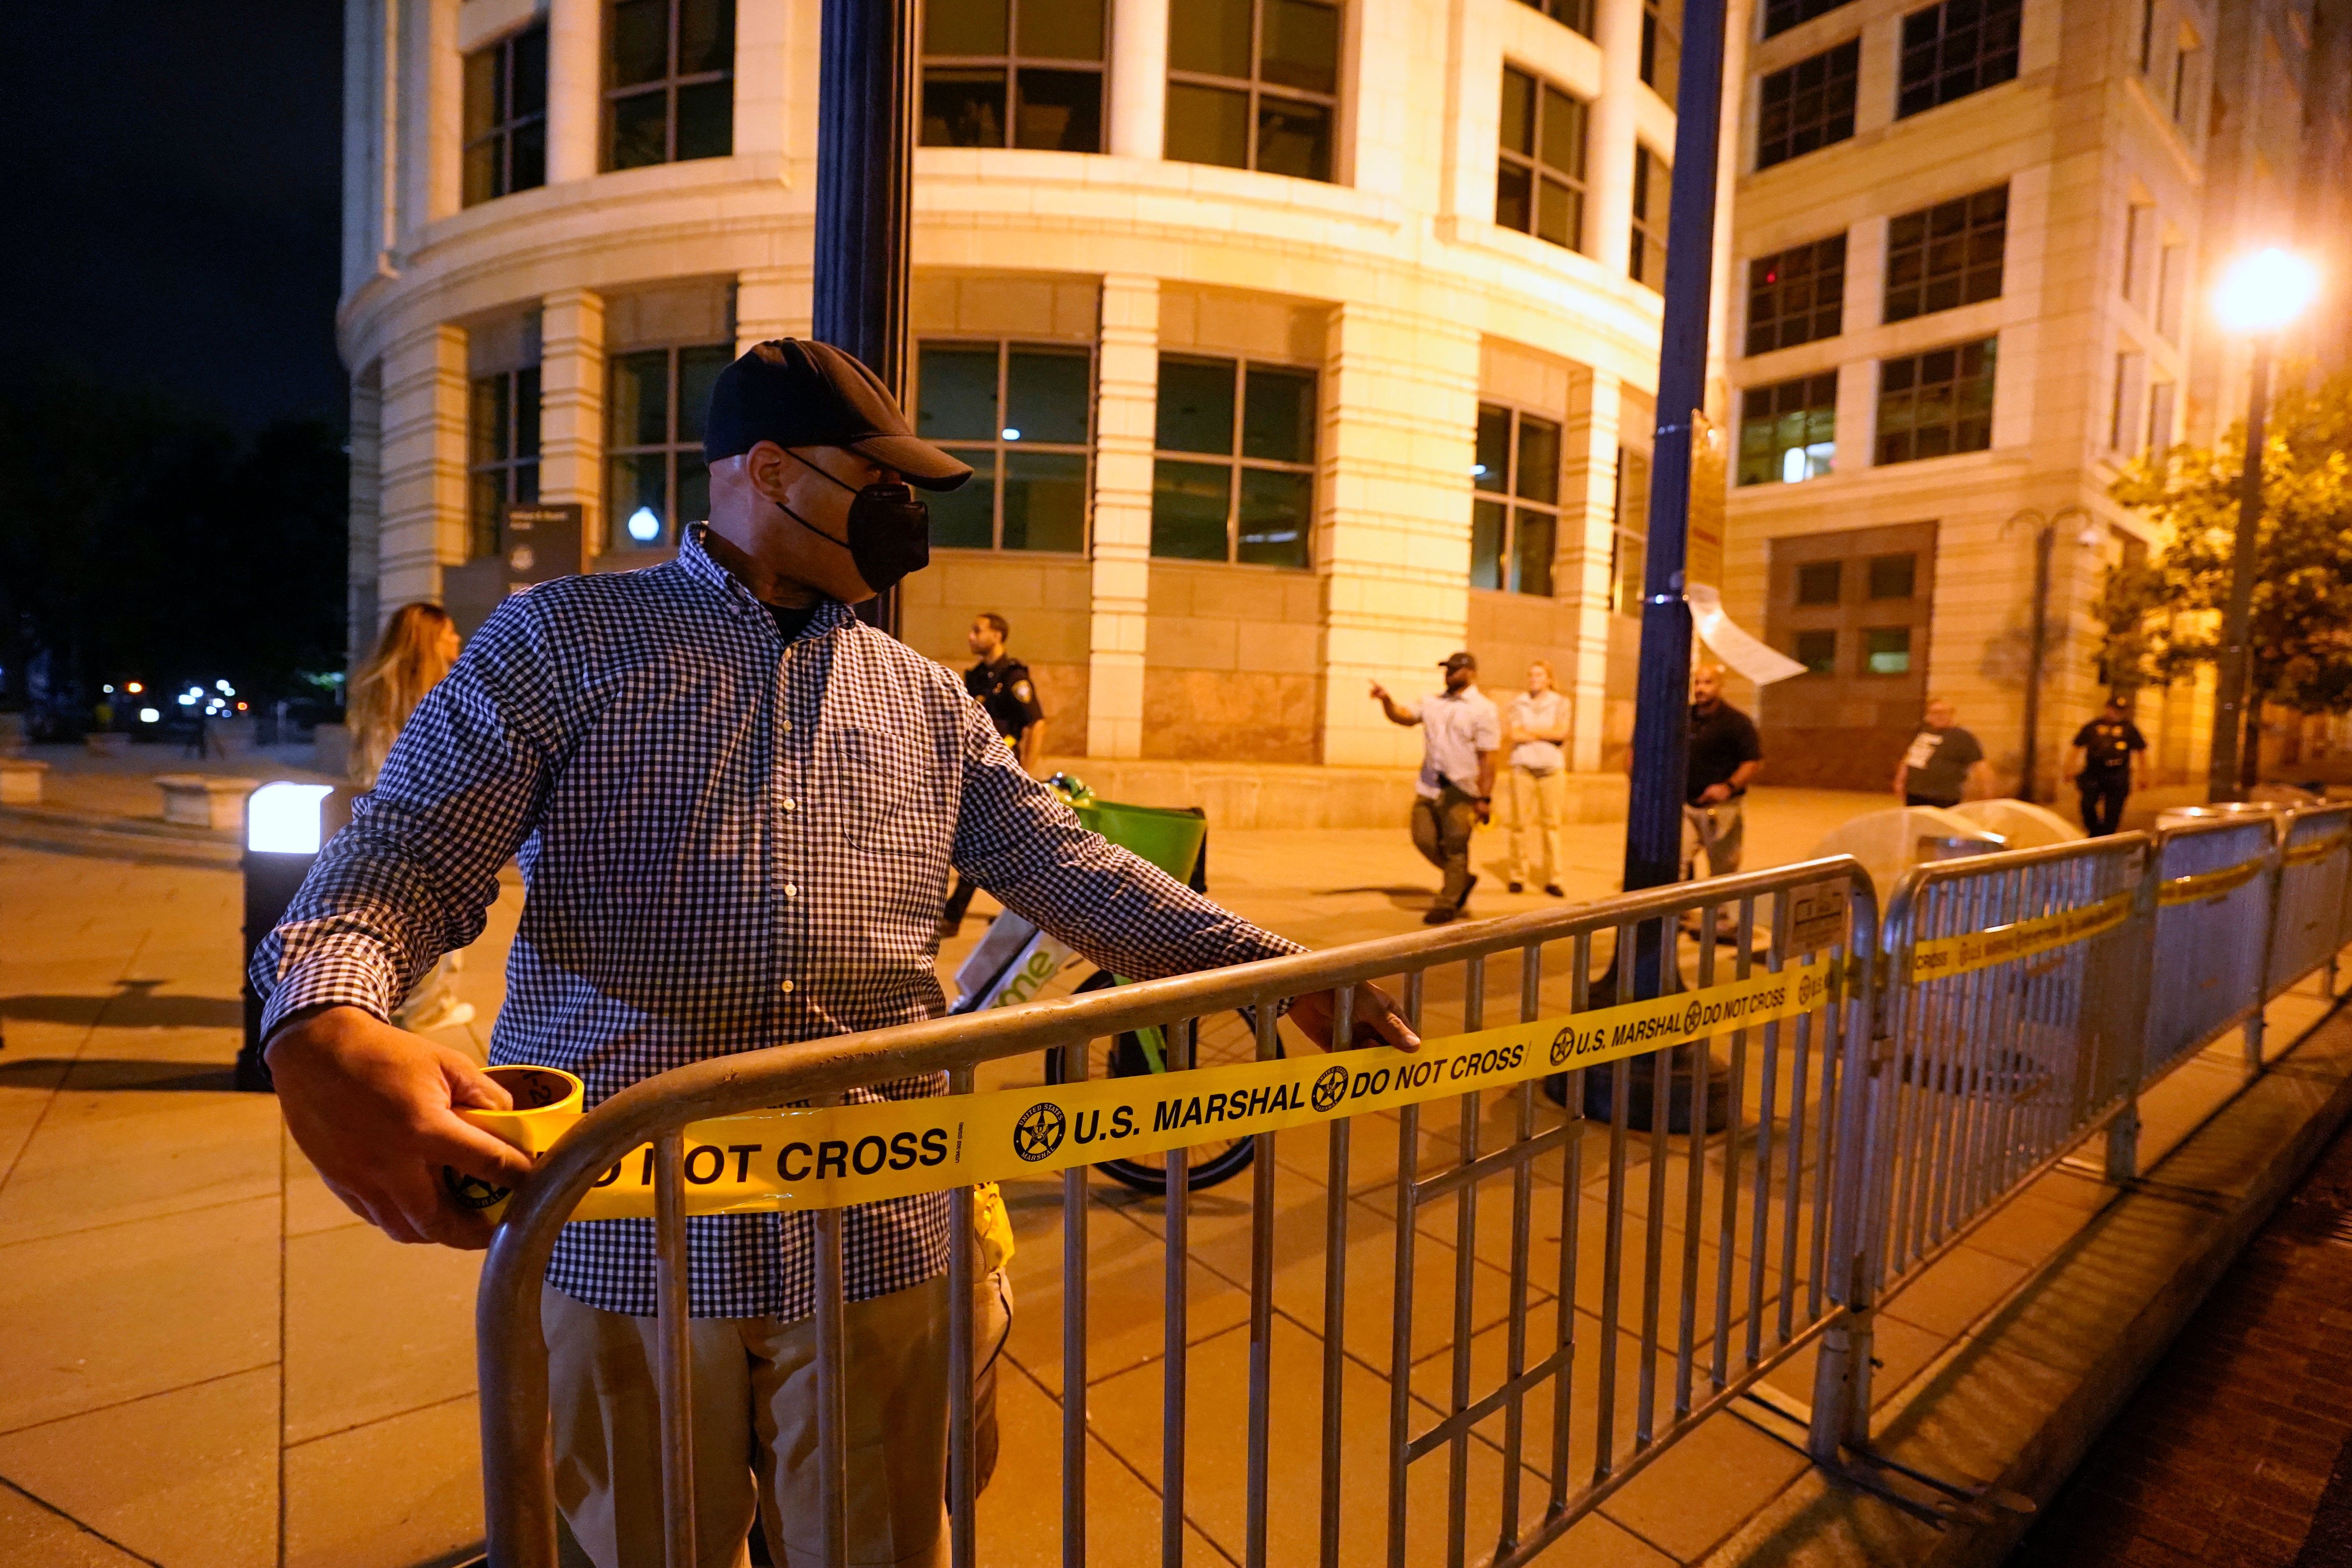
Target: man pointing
[{"x": 736, "y": 807}]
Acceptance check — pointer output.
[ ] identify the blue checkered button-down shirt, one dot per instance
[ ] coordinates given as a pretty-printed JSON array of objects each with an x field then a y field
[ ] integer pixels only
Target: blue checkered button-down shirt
[{"x": 727, "y": 842}]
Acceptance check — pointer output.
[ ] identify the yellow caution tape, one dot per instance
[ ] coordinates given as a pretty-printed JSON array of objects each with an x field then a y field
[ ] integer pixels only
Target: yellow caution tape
[
  {"x": 825, "y": 1157},
  {"x": 2316, "y": 849},
  {"x": 1943, "y": 957},
  {"x": 2202, "y": 885}
]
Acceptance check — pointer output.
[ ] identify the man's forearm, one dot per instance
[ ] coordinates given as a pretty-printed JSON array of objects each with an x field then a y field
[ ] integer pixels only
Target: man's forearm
[{"x": 1486, "y": 775}]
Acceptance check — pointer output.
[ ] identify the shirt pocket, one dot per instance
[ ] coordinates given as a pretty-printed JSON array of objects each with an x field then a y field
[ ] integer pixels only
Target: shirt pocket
[{"x": 889, "y": 799}]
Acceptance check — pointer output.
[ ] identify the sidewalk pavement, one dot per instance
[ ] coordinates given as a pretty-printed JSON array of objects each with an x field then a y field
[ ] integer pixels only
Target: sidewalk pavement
[{"x": 209, "y": 1362}]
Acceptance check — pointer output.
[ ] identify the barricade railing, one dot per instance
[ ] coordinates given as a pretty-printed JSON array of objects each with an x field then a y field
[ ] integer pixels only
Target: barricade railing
[
  {"x": 1703, "y": 1184},
  {"x": 2216, "y": 881},
  {"x": 2313, "y": 878}
]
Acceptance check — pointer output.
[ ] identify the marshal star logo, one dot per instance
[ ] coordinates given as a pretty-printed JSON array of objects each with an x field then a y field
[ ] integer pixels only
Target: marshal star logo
[
  {"x": 1328, "y": 1088},
  {"x": 472, "y": 1191},
  {"x": 1039, "y": 1132}
]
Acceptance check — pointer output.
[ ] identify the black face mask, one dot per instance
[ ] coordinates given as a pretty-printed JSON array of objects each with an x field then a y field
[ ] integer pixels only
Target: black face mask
[{"x": 890, "y": 529}]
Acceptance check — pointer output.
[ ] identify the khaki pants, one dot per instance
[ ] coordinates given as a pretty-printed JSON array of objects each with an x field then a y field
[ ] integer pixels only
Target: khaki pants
[
  {"x": 1719, "y": 831},
  {"x": 754, "y": 1432},
  {"x": 1538, "y": 804}
]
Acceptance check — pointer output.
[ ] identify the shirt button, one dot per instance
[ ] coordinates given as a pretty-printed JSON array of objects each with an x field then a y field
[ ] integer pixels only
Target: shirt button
[
  {"x": 790, "y": 891},
  {"x": 792, "y": 806},
  {"x": 785, "y": 724},
  {"x": 787, "y": 988}
]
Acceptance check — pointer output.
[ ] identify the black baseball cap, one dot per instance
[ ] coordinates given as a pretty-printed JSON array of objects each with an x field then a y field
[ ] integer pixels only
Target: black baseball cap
[
  {"x": 1453, "y": 661},
  {"x": 803, "y": 393}
]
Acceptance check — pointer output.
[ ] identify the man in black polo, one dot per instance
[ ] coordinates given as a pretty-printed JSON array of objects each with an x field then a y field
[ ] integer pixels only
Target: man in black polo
[
  {"x": 1000, "y": 684},
  {"x": 2107, "y": 764},
  {"x": 1725, "y": 757}
]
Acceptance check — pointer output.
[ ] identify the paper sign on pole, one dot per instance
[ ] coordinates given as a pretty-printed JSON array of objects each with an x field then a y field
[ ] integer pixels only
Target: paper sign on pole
[{"x": 1735, "y": 647}]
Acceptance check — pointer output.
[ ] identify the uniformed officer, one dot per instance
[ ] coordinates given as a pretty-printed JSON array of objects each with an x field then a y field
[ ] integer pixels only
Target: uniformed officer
[
  {"x": 1000, "y": 684},
  {"x": 2106, "y": 763}
]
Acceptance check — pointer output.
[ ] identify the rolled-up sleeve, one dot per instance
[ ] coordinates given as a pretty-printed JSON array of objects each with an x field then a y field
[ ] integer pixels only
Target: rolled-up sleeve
[
  {"x": 1016, "y": 838},
  {"x": 411, "y": 876}
]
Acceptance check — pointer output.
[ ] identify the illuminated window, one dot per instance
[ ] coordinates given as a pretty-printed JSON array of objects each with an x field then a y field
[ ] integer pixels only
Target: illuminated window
[
  {"x": 1788, "y": 431},
  {"x": 1253, "y": 84},
  {"x": 669, "y": 81},
  {"x": 1540, "y": 160},
  {"x": 1013, "y": 73},
  {"x": 1018, "y": 413},
  {"x": 654, "y": 408},
  {"x": 1886, "y": 650},
  {"x": 1515, "y": 512},
  {"x": 1234, "y": 475}
]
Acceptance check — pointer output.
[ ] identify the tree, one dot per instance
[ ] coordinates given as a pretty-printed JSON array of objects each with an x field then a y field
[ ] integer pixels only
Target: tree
[
  {"x": 2163, "y": 618},
  {"x": 140, "y": 541}
]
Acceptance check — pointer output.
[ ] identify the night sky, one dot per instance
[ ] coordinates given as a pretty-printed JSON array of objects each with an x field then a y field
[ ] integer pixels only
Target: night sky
[{"x": 174, "y": 179}]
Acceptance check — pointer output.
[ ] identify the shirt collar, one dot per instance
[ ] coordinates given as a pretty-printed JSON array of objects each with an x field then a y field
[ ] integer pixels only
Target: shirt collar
[{"x": 696, "y": 561}]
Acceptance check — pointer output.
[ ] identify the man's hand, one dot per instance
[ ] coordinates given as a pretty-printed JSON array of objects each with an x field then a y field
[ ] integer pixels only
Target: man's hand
[
  {"x": 1376, "y": 1021},
  {"x": 1714, "y": 794},
  {"x": 1379, "y": 693},
  {"x": 1486, "y": 809},
  {"x": 375, "y": 1109}
]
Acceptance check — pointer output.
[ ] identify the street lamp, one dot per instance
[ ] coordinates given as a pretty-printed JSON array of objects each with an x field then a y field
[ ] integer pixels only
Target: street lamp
[{"x": 2259, "y": 296}]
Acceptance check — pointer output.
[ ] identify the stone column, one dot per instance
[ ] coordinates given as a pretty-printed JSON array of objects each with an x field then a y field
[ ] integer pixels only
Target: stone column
[
  {"x": 1138, "y": 81},
  {"x": 762, "y": 64},
  {"x": 432, "y": 110},
  {"x": 575, "y": 94},
  {"x": 366, "y": 514},
  {"x": 1588, "y": 516},
  {"x": 772, "y": 302},
  {"x": 423, "y": 464},
  {"x": 572, "y": 409},
  {"x": 1609, "y": 147},
  {"x": 1392, "y": 544},
  {"x": 1127, "y": 413}
]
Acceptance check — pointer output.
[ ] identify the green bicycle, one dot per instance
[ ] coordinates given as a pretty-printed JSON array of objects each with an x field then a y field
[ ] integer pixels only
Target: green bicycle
[{"x": 1016, "y": 962}]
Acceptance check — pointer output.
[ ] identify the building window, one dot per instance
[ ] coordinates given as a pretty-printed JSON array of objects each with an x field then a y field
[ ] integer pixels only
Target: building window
[
  {"x": 1253, "y": 84},
  {"x": 1629, "y": 543},
  {"x": 501, "y": 452},
  {"x": 653, "y": 412},
  {"x": 2159, "y": 418},
  {"x": 1797, "y": 295},
  {"x": 506, "y": 116},
  {"x": 1821, "y": 582},
  {"x": 2123, "y": 417},
  {"x": 669, "y": 81},
  {"x": 1894, "y": 576},
  {"x": 1513, "y": 537},
  {"x": 1645, "y": 260},
  {"x": 1817, "y": 651},
  {"x": 1886, "y": 650},
  {"x": 2146, "y": 34},
  {"x": 2184, "y": 61},
  {"x": 1956, "y": 49},
  {"x": 1018, "y": 413},
  {"x": 1788, "y": 431},
  {"x": 1806, "y": 105},
  {"x": 1946, "y": 256},
  {"x": 1780, "y": 16},
  {"x": 1935, "y": 403},
  {"x": 1013, "y": 73},
  {"x": 1576, "y": 15},
  {"x": 2139, "y": 219},
  {"x": 1661, "y": 47},
  {"x": 2171, "y": 271},
  {"x": 1539, "y": 166},
  {"x": 1233, "y": 477}
]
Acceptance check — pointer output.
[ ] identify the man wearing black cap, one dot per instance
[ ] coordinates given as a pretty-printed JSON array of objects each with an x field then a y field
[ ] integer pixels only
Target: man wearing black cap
[
  {"x": 2106, "y": 765},
  {"x": 1461, "y": 732},
  {"x": 736, "y": 807}
]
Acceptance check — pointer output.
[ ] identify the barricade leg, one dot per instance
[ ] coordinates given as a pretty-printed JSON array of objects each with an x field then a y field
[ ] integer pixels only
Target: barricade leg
[{"x": 2123, "y": 1145}]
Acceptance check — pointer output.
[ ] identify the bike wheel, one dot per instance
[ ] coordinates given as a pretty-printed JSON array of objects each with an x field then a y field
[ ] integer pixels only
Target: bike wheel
[{"x": 1221, "y": 1040}]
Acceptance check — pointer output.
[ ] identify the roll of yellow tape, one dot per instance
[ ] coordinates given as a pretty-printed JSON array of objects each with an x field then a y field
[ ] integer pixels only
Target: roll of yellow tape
[{"x": 547, "y": 1102}]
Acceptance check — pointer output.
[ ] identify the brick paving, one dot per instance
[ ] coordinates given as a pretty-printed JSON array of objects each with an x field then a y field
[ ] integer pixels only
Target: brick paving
[{"x": 2235, "y": 1451}]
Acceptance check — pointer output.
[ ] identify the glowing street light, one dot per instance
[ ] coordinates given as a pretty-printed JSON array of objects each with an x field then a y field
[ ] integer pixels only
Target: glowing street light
[{"x": 2261, "y": 296}]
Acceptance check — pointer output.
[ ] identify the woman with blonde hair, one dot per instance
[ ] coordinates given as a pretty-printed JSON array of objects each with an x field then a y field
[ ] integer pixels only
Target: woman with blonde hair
[
  {"x": 418, "y": 647},
  {"x": 1533, "y": 727}
]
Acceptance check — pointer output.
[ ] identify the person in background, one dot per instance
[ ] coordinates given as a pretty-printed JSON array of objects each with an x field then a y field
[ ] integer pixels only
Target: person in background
[
  {"x": 1533, "y": 727},
  {"x": 1725, "y": 757},
  {"x": 418, "y": 647},
  {"x": 1456, "y": 793},
  {"x": 1000, "y": 684},
  {"x": 2106, "y": 766},
  {"x": 1944, "y": 764}
]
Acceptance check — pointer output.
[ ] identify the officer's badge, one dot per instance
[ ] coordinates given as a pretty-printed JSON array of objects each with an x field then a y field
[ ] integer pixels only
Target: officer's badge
[{"x": 1021, "y": 690}]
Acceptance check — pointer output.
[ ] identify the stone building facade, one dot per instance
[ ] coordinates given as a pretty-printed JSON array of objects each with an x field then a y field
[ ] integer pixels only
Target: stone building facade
[
  {"x": 1299, "y": 343},
  {"x": 1975, "y": 245}
]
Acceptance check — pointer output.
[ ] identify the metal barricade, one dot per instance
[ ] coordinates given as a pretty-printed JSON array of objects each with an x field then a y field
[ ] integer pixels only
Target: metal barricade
[
  {"x": 2215, "y": 883},
  {"x": 2307, "y": 914},
  {"x": 2010, "y": 1035},
  {"x": 1528, "y": 1306}
]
